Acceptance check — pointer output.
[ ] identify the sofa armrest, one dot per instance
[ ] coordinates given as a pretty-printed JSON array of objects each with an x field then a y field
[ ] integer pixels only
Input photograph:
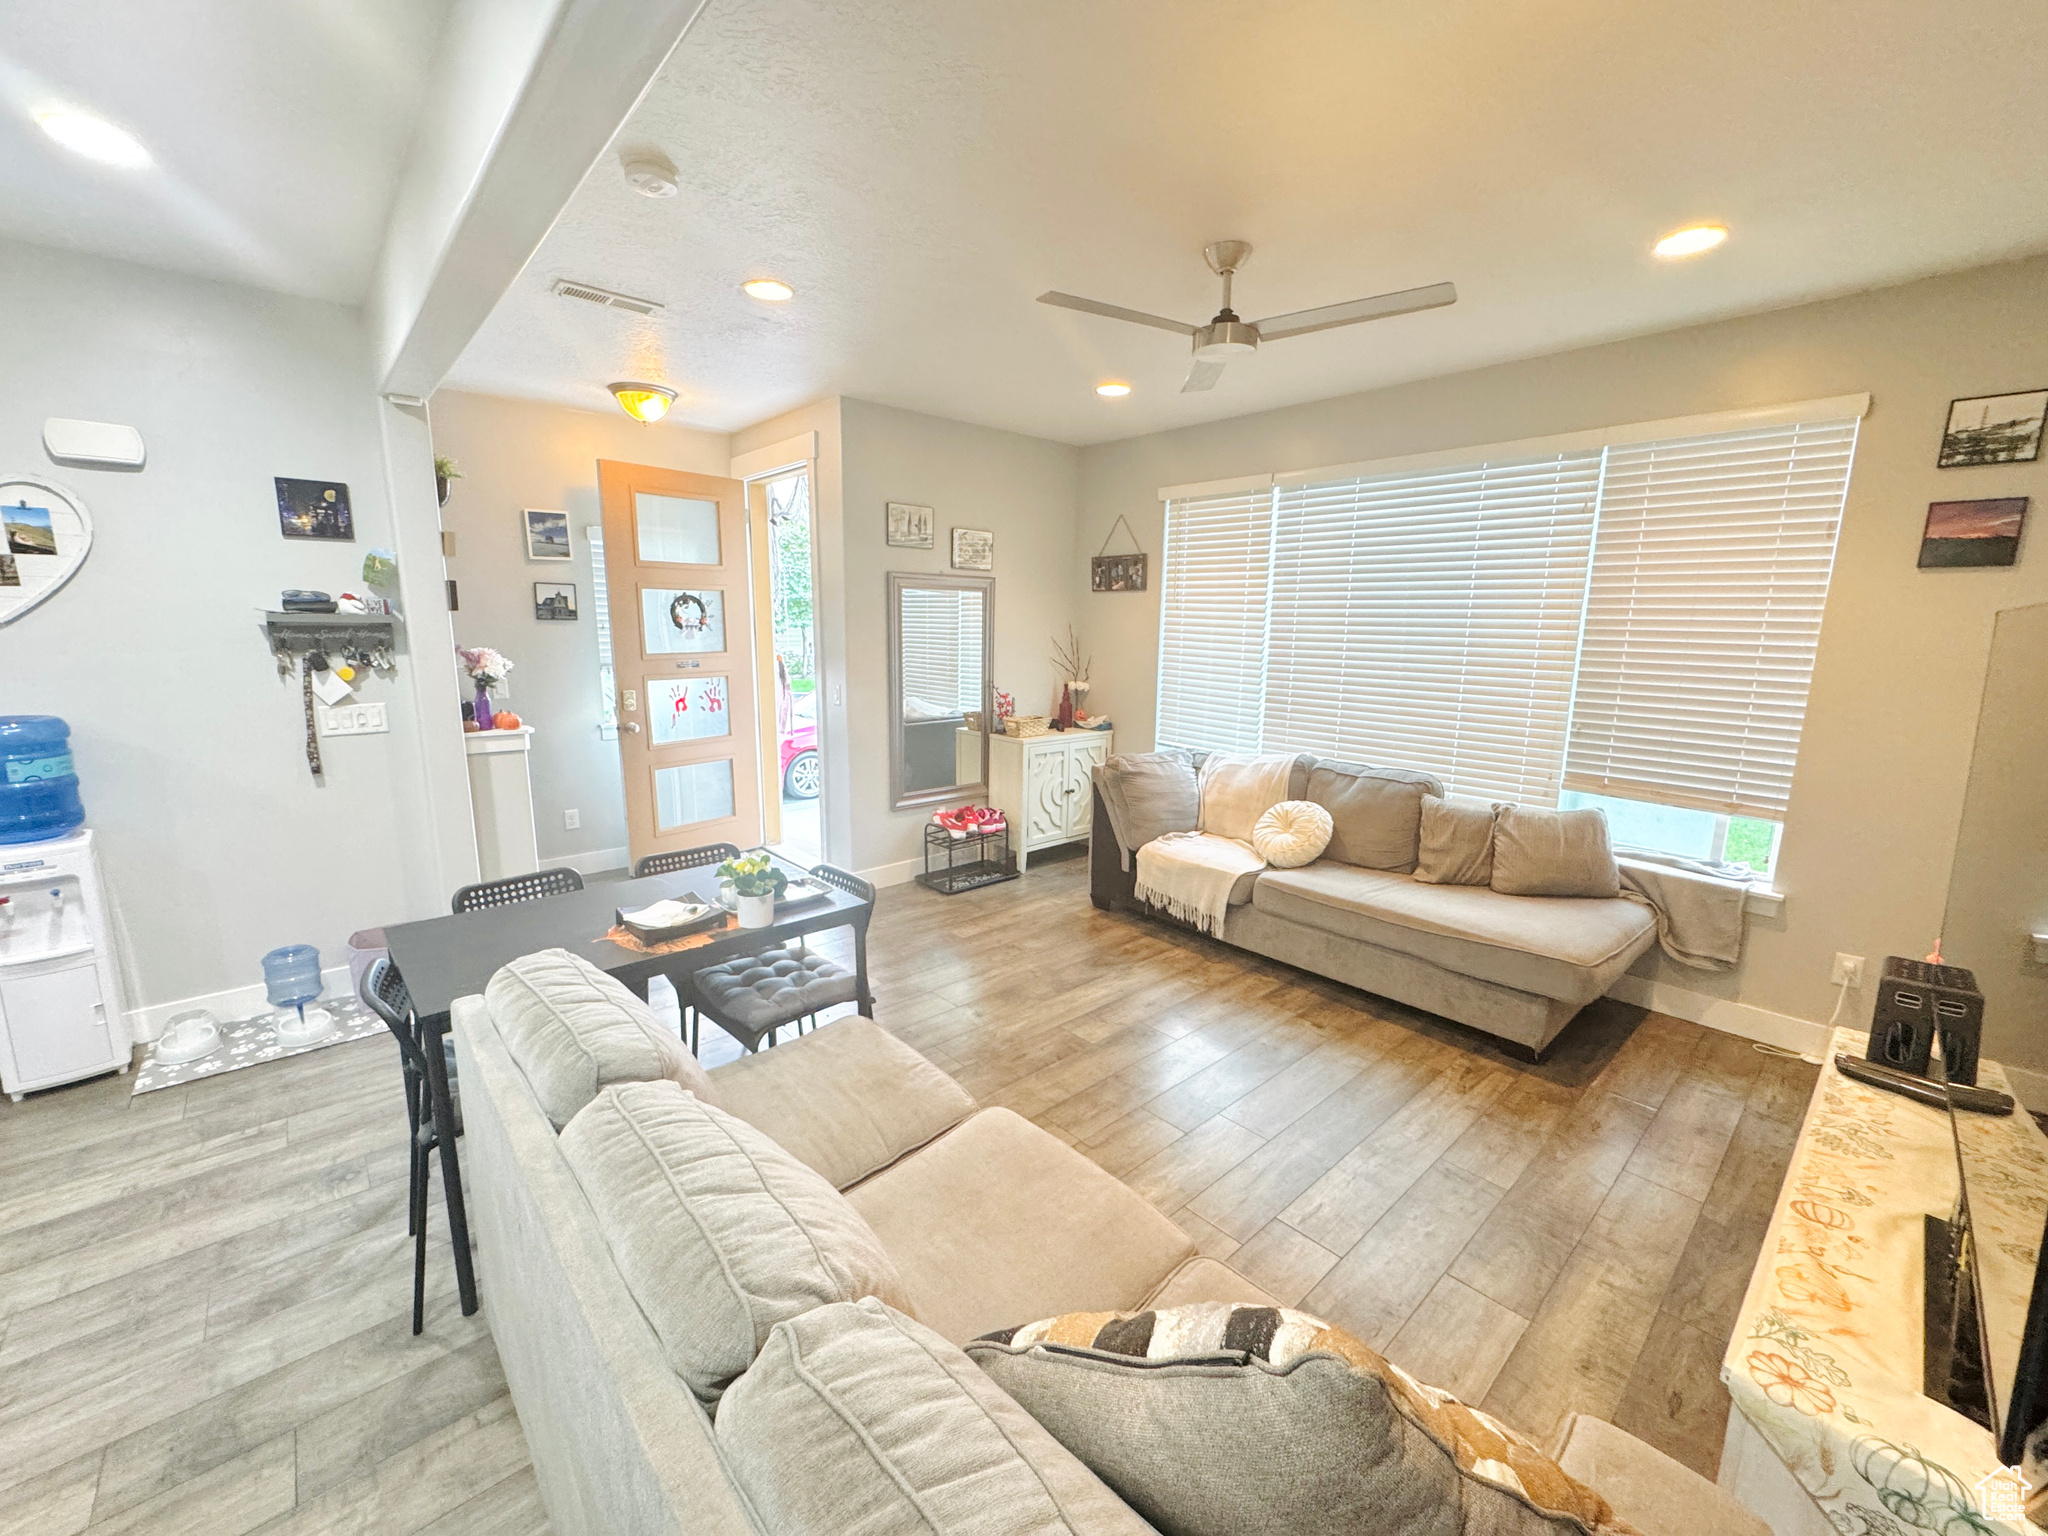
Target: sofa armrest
[
  {"x": 1110, "y": 885},
  {"x": 848, "y": 1099}
]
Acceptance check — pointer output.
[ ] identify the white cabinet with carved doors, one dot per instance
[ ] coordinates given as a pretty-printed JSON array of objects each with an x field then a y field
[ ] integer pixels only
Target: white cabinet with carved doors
[{"x": 1042, "y": 784}]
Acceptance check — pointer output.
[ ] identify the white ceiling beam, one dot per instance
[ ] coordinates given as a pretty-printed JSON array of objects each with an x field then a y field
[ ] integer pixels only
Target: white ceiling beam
[{"x": 524, "y": 97}]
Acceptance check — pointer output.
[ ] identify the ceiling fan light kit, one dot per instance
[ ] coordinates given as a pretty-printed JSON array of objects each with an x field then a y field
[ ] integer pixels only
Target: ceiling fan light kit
[{"x": 1227, "y": 336}]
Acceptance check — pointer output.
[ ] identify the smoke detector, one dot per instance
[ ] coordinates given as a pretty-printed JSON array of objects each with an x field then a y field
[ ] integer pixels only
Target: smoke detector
[{"x": 649, "y": 172}]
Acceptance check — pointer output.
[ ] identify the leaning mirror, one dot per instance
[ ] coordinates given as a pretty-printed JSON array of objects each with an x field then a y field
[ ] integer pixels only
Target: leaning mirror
[{"x": 939, "y": 645}]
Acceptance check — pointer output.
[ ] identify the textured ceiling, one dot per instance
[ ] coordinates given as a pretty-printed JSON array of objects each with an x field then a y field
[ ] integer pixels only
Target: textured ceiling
[
  {"x": 921, "y": 169},
  {"x": 277, "y": 131}
]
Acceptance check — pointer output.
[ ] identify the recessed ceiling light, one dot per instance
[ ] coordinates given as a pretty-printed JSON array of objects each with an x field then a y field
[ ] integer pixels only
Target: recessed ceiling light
[
  {"x": 1693, "y": 240},
  {"x": 1113, "y": 389},
  {"x": 769, "y": 289},
  {"x": 643, "y": 402},
  {"x": 94, "y": 139}
]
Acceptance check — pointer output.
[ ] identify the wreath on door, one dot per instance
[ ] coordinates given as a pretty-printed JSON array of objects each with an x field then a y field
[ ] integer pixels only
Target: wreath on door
[{"x": 679, "y": 613}]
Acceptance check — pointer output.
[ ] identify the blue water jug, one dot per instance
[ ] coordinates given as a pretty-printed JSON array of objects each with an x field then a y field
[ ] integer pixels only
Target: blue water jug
[
  {"x": 291, "y": 975},
  {"x": 38, "y": 785}
]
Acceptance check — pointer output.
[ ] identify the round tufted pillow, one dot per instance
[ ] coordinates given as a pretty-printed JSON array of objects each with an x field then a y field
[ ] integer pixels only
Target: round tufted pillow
[{"x": 1292, "y": 833}]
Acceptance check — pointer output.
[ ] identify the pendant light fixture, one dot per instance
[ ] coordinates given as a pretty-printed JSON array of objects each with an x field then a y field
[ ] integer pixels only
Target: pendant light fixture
[{"x": 643, "y": 402}]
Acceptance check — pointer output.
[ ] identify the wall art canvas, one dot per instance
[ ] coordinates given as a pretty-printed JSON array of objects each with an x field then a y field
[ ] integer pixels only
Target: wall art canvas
[
  {"x": 1117, "y": 573},
  {"x": 314, "y": 509},
  {"x": 554, "y": 600},
  {"x": 974, "y": 549},
  {"x": 547, "y": 536},
  {"x": 45, "y": 535},
  {"x": 1994, "y": 429},
  {"x": 1963, "y": 533},
  {"x": 910, "y": 526}
]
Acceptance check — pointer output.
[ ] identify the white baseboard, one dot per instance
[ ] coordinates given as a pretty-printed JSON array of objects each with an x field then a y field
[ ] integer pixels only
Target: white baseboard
[
  {"x": 900, "y": 873},
  {"x": 1751, "y": 1023},
  {"x": 145, "y": 1024},
  {"x": 595, "y": 862}
]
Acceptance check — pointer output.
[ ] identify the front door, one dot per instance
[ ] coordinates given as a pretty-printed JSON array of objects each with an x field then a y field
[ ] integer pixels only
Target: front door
[{"x": 676, "y": 564}]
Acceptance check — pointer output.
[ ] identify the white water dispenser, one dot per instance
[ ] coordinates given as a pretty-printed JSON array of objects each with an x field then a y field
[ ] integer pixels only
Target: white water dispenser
[{"x": 61, "y": 1017}]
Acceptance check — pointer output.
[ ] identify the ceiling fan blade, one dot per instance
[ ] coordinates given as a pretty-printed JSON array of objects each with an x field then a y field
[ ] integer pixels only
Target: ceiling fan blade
[
  {"x": 1379, "y": 307},
  {"x": 1115, "y": 312},
  {"x": 1203, "y": 375}
]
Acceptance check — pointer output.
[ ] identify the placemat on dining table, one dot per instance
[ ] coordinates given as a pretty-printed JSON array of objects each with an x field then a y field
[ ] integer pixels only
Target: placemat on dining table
[{"x": 625, "y": 939}]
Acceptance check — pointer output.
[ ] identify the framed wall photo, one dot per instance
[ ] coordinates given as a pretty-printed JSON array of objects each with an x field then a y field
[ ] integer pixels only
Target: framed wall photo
[
  {"x": 1116, "y": 573},
  {"x": 554, "y": 600},
  {"x": 910, "y": 526},
  {"x": 1966, "y": 533},
  {"x": 314, "y": 509},
  {"x": 974, "y": 549},
  {"x": 547, "y": 536},
  {"x": 1993, "y": 429}
]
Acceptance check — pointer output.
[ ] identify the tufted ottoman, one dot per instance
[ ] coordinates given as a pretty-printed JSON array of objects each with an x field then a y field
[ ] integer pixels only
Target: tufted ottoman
[{"x": 753, "y": 997}]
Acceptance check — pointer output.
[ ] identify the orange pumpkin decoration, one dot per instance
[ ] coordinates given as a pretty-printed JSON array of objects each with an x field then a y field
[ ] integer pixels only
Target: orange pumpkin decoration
[{"x": 505, "y": 720}]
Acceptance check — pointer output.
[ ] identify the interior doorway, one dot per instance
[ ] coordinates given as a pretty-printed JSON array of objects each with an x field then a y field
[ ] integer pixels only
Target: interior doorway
[{"x": 793, "y": 617}]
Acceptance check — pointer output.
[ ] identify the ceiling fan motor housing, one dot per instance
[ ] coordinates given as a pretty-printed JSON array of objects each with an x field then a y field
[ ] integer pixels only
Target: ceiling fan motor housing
[{"x": 1223, "y": 339}]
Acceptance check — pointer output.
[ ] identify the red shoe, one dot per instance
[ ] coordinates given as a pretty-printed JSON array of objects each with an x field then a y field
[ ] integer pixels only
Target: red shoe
[
  {"x": 958, "y": 822},
  {"x": 988, "y": 819}
]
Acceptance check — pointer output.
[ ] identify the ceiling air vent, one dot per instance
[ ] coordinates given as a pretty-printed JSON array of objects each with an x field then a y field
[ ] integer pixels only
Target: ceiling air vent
[{"x": 592, "y": 294}]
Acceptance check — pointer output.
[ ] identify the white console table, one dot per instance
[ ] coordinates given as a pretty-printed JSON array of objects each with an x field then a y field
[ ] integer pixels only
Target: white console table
[
  {"x": 1830, "y": 1432},
  {"x": 501, "y": 802},
  {"x": 1042, "y": 784}
]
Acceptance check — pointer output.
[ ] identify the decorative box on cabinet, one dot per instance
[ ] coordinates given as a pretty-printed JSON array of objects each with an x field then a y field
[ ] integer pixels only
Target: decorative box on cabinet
[{"x": 1042, "y": 783}]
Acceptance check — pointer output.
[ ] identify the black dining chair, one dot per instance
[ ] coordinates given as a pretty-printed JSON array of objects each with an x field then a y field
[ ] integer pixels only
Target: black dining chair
[
  {"x": 753, "y": 997},
  {"x": 515, "y": 888},
  {"x": 701, "y": 857},
  {"x": 384, "y": 993}
]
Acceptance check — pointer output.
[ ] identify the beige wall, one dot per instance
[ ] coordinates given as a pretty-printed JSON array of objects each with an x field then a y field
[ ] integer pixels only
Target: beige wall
[
  {"x": 1879, "y": 794},
  {"x": 1998, "y": 894},
  {"x": 516, "y": 454},
  {"x": 1020, "y": 488}
]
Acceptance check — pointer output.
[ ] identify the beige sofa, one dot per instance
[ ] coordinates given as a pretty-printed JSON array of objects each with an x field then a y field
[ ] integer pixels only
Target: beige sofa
[
  {"x": 984, "y": 1220},
  {"x": 1519, "y": 967}
]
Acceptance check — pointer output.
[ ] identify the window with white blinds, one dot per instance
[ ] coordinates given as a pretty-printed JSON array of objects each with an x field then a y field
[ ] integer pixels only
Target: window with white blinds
[
  {"x": 941, "y": 639},
  {"x": 1433, "y": 619},
  {"x": 1704, "y": 612},
  {"x": 1212, "y": 621},
  {"x": 1633, "y": 619}
]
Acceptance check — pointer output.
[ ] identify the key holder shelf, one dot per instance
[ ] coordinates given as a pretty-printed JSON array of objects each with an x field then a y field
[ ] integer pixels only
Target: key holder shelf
[{"x": 293, "y": 635}]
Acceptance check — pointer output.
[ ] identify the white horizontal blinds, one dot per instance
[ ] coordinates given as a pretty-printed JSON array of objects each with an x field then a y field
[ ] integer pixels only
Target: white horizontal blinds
[
  {"x": 1212, "y": 621},
  {"x": 1703, "y": 613},
  {"x": 937, "y": 671},
  {"x": 1430, "y": 620}
]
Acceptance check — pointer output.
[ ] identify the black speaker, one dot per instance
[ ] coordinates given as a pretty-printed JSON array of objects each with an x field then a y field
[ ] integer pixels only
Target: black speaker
[{"x": 1914, "y": 999}]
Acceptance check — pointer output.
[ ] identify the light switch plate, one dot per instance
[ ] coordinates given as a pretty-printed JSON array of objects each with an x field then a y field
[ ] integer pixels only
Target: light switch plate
[{"x": 354, "y": 720}]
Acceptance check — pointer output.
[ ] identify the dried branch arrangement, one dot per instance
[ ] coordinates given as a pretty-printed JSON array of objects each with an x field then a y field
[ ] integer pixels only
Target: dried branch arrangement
[{"x": 1067, "y": 659}]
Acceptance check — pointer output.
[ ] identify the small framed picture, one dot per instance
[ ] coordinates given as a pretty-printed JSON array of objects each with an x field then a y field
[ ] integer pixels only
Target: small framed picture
[
  {"x": 547, "y": 536},
  {"x": 974, "y": 549},
  {"x": 1993, "y": 429},
  {"x": 554, "y": 600},
  {"x": 910, "y": 526},
  {"x": 1961, "y": 533},
  {"x": 1117, "y": 573},
  {"x": 314, "y": 509}
]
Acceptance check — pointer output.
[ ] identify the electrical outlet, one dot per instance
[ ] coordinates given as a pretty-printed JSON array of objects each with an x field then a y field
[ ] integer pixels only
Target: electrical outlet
[
  {"x": 1847, "y": 971},
  {"x": 354, "y": 720},
  {"x": 571, "y": 820}
]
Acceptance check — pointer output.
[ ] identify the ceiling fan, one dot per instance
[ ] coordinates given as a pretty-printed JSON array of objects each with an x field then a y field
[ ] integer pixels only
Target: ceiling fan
[{"x": 1226, "y": 336}]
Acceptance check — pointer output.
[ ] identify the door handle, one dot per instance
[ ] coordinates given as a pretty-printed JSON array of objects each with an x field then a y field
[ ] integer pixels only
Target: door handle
[{"x": 630, "y": 725}]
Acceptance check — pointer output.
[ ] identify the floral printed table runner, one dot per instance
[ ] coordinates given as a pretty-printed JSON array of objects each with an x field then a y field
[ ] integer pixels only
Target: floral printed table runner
[{"x": 1825, "y": 1359}]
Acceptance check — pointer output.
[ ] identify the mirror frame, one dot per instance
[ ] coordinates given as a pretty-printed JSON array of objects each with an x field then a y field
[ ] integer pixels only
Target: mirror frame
[{"x": 899, "y": 582}]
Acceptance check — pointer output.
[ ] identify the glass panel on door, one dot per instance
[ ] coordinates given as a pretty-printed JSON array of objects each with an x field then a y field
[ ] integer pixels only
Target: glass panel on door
[
  {"x": 676, "y": 530},
  {"x": 687, "y": 709},
  {"x": 675, "y": 620},
  {"x": 692, "y": 792}
]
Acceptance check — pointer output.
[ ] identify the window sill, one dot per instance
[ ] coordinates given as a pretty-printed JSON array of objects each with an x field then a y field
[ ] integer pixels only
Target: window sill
[{"x": 1763, "y": 901}]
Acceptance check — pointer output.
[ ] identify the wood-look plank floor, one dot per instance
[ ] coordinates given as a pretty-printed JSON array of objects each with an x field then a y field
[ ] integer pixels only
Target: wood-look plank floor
[{"x": 205, "y": 1293}]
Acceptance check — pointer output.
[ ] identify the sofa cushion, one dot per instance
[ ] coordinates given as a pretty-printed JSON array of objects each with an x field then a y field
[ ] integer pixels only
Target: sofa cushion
[
  {"x": 1206, "y": 1279},
  {"x": 1457, "y": 841},
  {"x": 857, "y": 1421},
  {"x": 1375, "y": 813},
  {"x": 1148, "y": 794},
  {"x": 1649, "y": 1490},
  {"x": 1562, "y": 947},
  {"x": 998, "y": 1220},
  {"x": 574, "y": 1030},
  {"x": 718, "y": 1232},
  {"x": 847, "y": 1099},
  {"x": 1292, "y": 833},
  {"x": 1216, "y": 1420},
  {"x": 1553, "y": 853}
]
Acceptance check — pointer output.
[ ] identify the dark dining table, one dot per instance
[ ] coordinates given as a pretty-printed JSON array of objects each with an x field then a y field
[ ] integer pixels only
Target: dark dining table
[{"x": 443, "y": 958}]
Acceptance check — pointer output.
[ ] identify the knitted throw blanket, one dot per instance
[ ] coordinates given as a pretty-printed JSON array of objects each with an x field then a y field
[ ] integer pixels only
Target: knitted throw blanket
[{"x": 1188, "y": 875}]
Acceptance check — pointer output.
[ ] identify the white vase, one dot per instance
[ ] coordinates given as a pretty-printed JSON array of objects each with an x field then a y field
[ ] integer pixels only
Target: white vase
[{"x": 757, "y": 911}]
